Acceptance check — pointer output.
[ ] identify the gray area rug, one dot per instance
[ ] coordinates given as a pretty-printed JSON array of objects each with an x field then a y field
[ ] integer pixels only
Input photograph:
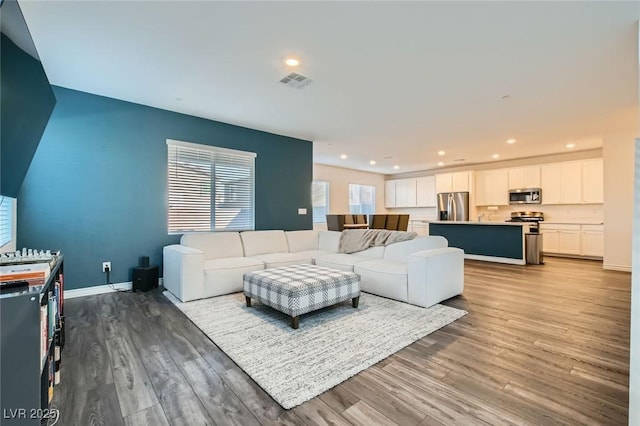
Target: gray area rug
[{"x": 330, "y": 346}]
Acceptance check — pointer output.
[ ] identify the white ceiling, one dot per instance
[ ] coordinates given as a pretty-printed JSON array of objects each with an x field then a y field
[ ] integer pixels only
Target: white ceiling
[{"x": 399, "y": 80}]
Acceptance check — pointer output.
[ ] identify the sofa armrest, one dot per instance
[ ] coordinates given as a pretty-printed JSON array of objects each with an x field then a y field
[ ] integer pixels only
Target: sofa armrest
[
  {"x": 435, "y": 275},
  {"x": 183, "y": 272}
]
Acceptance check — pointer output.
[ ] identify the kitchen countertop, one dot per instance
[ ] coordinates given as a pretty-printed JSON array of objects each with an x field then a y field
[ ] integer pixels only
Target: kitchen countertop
[
  {"x": 451, "y": 222},
  {"x": 570, "y": 222}
]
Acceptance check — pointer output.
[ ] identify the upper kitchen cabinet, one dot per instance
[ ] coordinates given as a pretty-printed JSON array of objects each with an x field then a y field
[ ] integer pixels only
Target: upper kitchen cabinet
[
  {"x": 453, "y": 182},
  {"x": 592, "y": 181},
  {"x": 573, "y": 182},
  {"x": 426, "y": 191},
  {"x": 524, "y": 177},
  {"x": 492, "y": 188},
  {"x": 390, "y": 193},
  {"x": 406, "y": 193},
  {"x": 400, "y": 193}
]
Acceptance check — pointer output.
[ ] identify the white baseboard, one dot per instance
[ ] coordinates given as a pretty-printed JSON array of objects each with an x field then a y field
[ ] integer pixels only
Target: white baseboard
[
  {"x": 610, "y": 267},
  {"x": 99, "y": 289}
]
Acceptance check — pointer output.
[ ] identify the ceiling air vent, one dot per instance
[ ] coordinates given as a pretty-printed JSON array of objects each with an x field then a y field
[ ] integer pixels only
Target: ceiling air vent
[{"x": 295, "y": 80}]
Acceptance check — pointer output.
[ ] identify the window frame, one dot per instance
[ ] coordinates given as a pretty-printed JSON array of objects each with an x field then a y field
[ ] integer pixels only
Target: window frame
[
  {"x": 360, "y": 210},
  {"x": 6, "y": 221},
  {"x": 327, "y": 188},
  {"x": 210, "y": 161}
]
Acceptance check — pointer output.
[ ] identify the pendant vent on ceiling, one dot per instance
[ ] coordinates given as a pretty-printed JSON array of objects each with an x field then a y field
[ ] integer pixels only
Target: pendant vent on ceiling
[{"x": 295, "y": 80}]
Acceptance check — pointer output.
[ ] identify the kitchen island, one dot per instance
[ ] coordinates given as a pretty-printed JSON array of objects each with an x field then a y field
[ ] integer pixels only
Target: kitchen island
[{"x": 501, "y": 242}]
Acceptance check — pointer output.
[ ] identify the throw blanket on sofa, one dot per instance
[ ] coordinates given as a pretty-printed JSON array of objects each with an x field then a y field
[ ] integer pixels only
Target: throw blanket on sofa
[{"x": 354, "y": 240}]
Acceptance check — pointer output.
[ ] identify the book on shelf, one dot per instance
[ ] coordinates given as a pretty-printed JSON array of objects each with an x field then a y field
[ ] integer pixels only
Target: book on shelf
[
  {"x": 24, "y": 272},
  {"x": 44, "y": 335}
]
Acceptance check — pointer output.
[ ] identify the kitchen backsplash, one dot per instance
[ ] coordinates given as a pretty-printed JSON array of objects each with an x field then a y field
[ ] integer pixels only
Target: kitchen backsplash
[{"x": 557, "y": 213}]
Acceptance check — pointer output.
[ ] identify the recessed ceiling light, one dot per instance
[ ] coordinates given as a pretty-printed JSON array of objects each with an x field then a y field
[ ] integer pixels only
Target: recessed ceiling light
[
  {"x": 511, "y": 141},
  {"x": 343, "y": 156},
  {"x": 372, "y": 162},
  {"x": 570, "y": 145},
  {"x": 292, "y": 61},
  {"x": 495, "y": 156},
  {"x": 440, "y": 163},
  {"x": 396, "y": 167},
  {"x": 441, "y": 152}
]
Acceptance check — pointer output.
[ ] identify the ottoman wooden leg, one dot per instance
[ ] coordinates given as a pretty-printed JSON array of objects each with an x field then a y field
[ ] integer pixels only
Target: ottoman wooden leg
[
  {"x": 295, "y": 322},
  {"x": 248, "y": 301},
  {"x": 354, "y": 301}
]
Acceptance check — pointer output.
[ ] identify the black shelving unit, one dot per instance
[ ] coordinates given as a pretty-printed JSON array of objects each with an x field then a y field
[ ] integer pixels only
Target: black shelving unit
[{"x": 24, "y": 371}]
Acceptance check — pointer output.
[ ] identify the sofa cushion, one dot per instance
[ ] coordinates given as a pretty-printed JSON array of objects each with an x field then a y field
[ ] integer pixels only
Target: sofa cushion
[
  {"x": 329, "y": 241},
  {"x": 384, "y": 278},
  {"x": 224, "y": 276},
  {"x": 215, "y": 245},
  {"x": 275, "y": 260},
  {"x": 302, "y": 240},
  {"x": 264, "y": 242},
  {"x": 233, "y": 263},
  {"x": 314, "y": 254},
  {"x": 341, "y": 261},
  {"x": 399, "y": 252}
]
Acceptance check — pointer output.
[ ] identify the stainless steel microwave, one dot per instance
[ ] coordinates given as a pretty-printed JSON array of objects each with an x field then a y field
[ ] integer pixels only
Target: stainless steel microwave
[{"x": 525, "y": 196}]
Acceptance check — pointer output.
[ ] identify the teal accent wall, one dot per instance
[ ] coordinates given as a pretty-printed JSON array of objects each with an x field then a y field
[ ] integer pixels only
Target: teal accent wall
[
  {"x": 25, "y": 106},
  {"x": 97, "y": 185}
]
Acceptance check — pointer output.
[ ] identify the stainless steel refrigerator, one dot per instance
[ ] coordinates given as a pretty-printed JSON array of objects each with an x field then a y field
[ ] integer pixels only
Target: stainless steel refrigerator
[{"x": 453, "y": 206}]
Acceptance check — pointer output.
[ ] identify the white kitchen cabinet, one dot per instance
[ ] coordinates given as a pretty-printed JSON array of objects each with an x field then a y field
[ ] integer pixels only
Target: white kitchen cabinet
[
  {"x": 524, "y": 177},
  {"x": 420, "y": 228},
  {"x": 562, "y": 183},
  {"x": 426, "y": 191},
  {"x": 571, "y": 182},
  {"x": 592, "y": 240},
  {"x": 492, "y": 188},
  {"x": 390, "y": 193},
  {"x": 549, "y": 240},
  {"x": 569, "y": 242},
  {"x": 592, "y": 181},
  {"x": 444, "y": 183},
  {"x": 573, "y": 239},
  {"x": 405, "y": 193},
  {"x": 561, "y": 238},
  {"x": 453, "y": 182},
  {"x": 461, "y": 182},
  {"x": 550, "y": 183}
]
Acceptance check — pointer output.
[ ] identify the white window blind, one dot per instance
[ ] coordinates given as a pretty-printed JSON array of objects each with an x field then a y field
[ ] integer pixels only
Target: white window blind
[
  {"x": 362, "y": 199},
  {"x": 210, "y": 188},
  {"x": 6, "y": 220},
  {"x": 320, "y": 200}
]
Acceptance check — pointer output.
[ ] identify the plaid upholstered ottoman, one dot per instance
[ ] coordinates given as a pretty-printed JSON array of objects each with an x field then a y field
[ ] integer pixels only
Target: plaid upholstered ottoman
[{"x": 298, "y": 289}]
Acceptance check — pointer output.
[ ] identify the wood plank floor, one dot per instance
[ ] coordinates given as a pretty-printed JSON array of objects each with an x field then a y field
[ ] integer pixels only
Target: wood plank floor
[{"x": 542, "y": 345}]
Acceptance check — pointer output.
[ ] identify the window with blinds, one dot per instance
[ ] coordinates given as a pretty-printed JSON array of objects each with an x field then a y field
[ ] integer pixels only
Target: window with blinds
[
  {"x": 320, "y": 201},
  {"x": 6, "y": 220},
  {"x": 210, "y": 188},
  {"x": 362, "y": 199}
]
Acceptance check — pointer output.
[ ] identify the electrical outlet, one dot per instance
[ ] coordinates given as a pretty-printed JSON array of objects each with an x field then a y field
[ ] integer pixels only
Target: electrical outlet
[{"x": 105, "y": 266}]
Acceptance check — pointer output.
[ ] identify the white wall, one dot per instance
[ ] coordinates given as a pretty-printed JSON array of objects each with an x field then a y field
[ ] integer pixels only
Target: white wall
[
  {"x": 618, "y": 156},
  {"x": 339, "y": 180},
  {"x": 634, "y": 362}
]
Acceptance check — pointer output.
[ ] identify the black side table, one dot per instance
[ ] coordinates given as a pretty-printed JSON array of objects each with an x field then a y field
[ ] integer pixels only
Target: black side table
[{"x": 144, "y": 279}]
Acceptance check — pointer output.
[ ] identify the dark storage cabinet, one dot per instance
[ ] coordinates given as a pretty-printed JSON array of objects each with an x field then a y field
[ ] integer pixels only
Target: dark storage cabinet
[
  {"x": 145, "y": 279},
  {"x": 25, "y": 377}
]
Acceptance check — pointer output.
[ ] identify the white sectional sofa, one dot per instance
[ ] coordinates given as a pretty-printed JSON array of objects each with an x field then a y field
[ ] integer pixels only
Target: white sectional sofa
[{"x": 422, "y": 271}]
